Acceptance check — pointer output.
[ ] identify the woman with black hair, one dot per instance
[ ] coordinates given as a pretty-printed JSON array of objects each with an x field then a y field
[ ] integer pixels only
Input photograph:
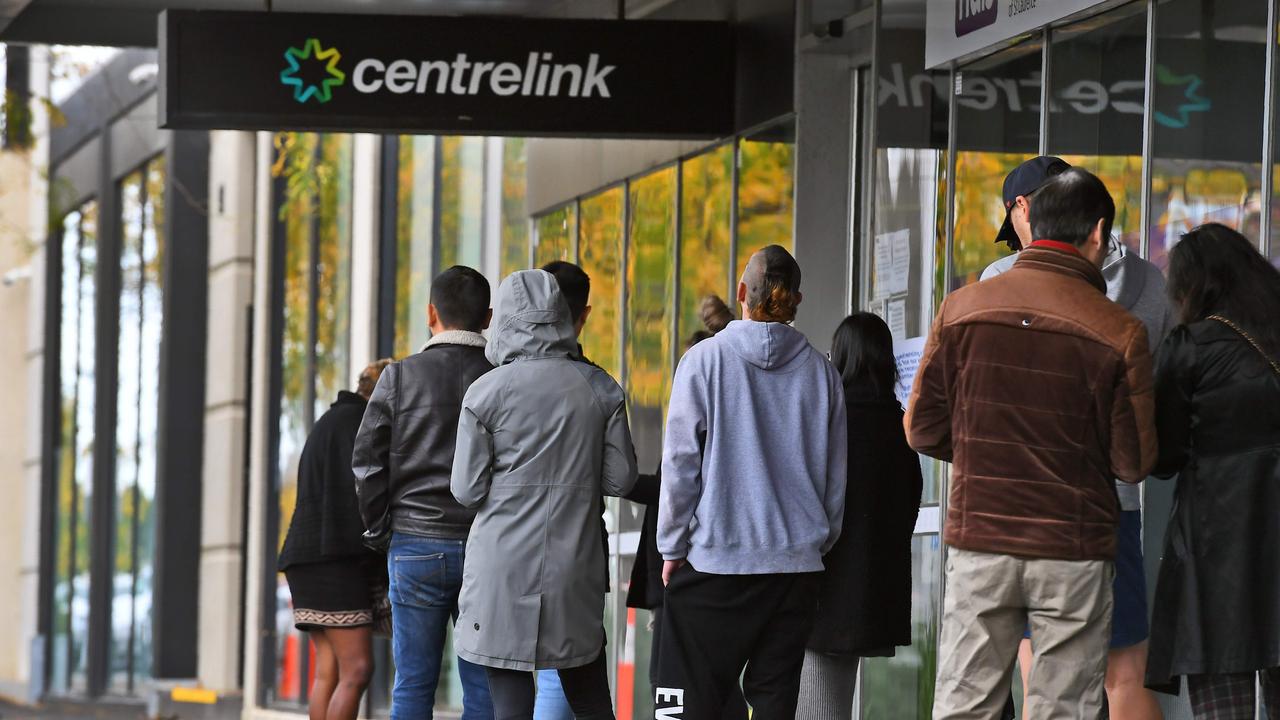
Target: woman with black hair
[
  {"x": 1217, "y": 602},
  {"x": 864, "y": 603}
]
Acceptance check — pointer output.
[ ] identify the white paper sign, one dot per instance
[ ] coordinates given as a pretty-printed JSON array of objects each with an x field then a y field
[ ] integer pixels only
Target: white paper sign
[
  {"x": 882, "y": 262},
  {"x": 895, "y": 314},
  {"x": 907, "y": 354},
  {"x": 900, "y": 268},
  {"x": 955, "y": 28}
]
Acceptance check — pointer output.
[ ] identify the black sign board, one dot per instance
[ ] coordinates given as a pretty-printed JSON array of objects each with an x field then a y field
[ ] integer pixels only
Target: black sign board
[{"x": 458, "y": 75}]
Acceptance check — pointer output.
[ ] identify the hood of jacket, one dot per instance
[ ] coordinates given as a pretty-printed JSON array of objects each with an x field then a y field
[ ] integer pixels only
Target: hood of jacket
[
  {"x": 1123, "y": 272},
  {"x": 530, "y": 319},
  {"x": 767, "y": 345}
]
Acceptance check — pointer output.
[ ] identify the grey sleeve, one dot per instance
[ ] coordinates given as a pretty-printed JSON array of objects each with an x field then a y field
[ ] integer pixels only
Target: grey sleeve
[
  {"x": 472, "y": 457},
  {"x": 619, "y": 462}
]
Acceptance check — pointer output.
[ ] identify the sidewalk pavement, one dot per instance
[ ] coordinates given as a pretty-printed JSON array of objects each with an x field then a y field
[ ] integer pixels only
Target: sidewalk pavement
[{"x": 71, "y": 711}]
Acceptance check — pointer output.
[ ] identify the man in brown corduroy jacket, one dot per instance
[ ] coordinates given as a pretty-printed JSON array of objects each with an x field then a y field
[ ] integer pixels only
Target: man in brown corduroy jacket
[{"x": 1038, "y": 389}]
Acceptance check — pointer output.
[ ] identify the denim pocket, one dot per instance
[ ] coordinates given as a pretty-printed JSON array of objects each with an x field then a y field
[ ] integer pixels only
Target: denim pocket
[{"x": 420, "y": 580}]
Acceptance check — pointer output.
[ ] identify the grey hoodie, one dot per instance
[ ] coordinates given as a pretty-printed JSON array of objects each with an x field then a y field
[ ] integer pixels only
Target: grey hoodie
[
  {"x": 753, "y": 460},
  {"x": 1137, "y": 286},
  {"x": 540, "y": 437}
]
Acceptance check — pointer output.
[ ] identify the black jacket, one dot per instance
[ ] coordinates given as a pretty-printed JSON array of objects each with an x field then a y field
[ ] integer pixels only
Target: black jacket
[
  {"x": 646, "y": 589},
  {"x": 864, "y": 605},
  {"x": 404, "y": 452},
  {"x": 326, "y": 521},
  {"x": 1217, "y": 600}
]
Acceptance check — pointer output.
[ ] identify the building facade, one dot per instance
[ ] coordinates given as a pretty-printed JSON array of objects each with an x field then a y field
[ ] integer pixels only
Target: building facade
[{"x": 199, "y": 298}]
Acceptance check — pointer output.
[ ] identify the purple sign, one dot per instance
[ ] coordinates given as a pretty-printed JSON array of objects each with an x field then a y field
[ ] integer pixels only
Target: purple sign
[{"x": 974, "y": 15}]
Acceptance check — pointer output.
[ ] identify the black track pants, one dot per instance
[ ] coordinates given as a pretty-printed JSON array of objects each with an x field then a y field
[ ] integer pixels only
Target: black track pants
[{"x": 714, "y": 626}]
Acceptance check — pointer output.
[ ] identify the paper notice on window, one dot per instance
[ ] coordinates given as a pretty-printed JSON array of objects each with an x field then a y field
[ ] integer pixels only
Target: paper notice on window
[
  {"x": 895, "y": 314},
  {"x": 907, "y": 354},
  {"x": 900, "y": 266},
  {"x": 883, "y": 264}
]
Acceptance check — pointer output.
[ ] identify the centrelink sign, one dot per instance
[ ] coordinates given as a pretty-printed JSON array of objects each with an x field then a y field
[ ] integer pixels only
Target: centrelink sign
[
  {"x": 417, "y": 74},
  {"x": 957, "y": 28}
]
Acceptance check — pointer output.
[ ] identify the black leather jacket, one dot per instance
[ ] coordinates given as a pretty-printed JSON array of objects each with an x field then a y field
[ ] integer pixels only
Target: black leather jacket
[
  {"x": 1217, "y": 602},
  {"x": 404, "y": 451}
]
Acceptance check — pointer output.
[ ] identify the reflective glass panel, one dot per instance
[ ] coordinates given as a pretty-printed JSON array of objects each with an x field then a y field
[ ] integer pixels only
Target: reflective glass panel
[
  {"x": 130, "y": 380},
  {"x": 997, "y": 128},
  {"x": 901, "y": 687},
  {"x": 908, "y": 228},
  {"x": 1096, "y": 113},
  {"x": 766, "y": 191},
  {"x": 74, "y": 459},
  {"x": 315, "y": 215},
  {"x": 296, "y": 408},
  {"x": 650, "y": 286},
  {"x": 555, "y": 235},
  {"x": 333, "y": 272},
  {"x": 515, "y": 224},
  {"x": 461, "y": 201},
  {"x": 86, "y": 347},
  {"x": 600, "y": 246},
  {"x": 706, "y": 188},
  {"x": 415, "y": 240},
  {"x": 1210, "y": 75}
]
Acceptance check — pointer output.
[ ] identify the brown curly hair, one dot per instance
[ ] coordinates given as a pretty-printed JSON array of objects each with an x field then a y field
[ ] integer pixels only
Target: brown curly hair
[{"x": 368, "y": 379}]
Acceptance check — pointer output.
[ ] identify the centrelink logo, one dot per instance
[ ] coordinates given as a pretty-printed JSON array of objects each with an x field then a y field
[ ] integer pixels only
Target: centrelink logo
[
  {"x": 974, "y": 15},
  {"x": 539, "y": 76},
  {"x": 313, "y": 52}
]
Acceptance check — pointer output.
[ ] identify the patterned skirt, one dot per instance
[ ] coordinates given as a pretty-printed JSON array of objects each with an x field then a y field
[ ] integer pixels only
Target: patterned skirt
[{"x": 344, "y": 593}]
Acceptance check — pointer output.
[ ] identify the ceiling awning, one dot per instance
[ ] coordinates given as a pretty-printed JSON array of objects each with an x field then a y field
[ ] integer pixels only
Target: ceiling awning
[{"x": 133, "y": 23}]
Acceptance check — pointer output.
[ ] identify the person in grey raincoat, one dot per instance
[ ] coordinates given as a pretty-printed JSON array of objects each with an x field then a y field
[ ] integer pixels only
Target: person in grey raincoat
[{"x": 539, "y": 439}]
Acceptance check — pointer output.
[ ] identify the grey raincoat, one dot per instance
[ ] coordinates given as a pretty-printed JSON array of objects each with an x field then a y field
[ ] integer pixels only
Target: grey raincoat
[{"x": 540, "y": 437}]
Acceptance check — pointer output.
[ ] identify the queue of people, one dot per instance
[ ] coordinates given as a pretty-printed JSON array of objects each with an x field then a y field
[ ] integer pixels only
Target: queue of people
[{"x": 462, "y": 487}]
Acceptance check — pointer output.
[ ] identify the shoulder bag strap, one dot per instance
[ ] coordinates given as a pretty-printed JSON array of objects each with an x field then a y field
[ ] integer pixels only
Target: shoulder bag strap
[{"x": 1249, "y": 338}]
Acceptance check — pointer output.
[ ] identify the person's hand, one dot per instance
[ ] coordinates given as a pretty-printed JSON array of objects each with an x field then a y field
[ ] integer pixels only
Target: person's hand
[{"x": 669, "y": 568}]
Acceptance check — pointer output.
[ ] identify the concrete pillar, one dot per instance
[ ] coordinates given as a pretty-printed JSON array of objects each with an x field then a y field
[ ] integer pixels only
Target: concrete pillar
[
  {"x": 232, "y": 169},
  {"x": 366, "y": 180},
  {"x": 24, "y": 207},
  {"x": 823, "y": 191}
]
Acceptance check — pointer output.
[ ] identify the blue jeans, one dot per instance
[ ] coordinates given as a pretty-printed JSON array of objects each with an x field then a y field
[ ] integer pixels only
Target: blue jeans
[
  {"x": 426, "y": 576},
  {"x": 551, "y": 704}
]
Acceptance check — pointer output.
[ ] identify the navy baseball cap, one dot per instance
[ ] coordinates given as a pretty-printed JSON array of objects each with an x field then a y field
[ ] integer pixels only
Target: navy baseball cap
[{"x": 1025, "y": 179}]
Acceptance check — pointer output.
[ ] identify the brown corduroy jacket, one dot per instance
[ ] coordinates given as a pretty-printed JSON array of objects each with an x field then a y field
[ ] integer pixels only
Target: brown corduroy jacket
[{"x": 1039, "y": 390}]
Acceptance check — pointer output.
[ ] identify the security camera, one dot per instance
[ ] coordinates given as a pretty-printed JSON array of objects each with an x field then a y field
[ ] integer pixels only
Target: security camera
[{"x": 16, "y": 275}]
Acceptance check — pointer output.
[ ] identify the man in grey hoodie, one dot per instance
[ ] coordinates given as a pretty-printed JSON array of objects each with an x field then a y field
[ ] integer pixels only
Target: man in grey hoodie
[
  {"x": 753, "y": 469},
  {"x": 1137, "y": 286}
]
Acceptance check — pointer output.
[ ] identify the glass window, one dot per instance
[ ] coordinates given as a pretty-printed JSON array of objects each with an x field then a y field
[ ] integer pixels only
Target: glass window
[
  {"x": 766, "y": 191},
  {"x": 461, "y": 201},
  {"x": 705, "y": 218},
  {"x": 1208, "y": 102},
  {"x": 1096, "y": 113},
  {"x": 74, "y": 459},
  {"x": 515, "y": 225},
  {"x": 650, "y": 286},
  {"x": 997, "y": 128},
  {"x": 890, "y": 685},
  {"x": 315, "y": 215},
  {"x": 600, "y": 245},
  {"x": 908, "y": 228},
  {"x": 137, "y": 407},
  {"x": 415, "y": 240},
  {"x": 554, "y": 235}
]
